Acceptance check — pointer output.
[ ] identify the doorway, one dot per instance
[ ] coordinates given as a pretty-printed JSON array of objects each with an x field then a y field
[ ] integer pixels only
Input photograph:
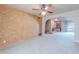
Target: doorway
[{"x": 59, "y": 24}]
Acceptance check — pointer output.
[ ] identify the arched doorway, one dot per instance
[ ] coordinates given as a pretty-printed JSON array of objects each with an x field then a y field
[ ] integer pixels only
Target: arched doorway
[
  {"x": 53, "y": 25},
  {"x": 48, "y": 26},
  {"x": 59, "y": 24}
]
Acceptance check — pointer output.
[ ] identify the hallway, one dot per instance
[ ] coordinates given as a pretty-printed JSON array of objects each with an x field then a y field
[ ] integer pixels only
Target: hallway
[{"x": 55, "y": 43}]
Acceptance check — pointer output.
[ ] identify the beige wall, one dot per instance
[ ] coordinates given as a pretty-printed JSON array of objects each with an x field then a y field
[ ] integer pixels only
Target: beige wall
[{"x": 15, "y": 25}]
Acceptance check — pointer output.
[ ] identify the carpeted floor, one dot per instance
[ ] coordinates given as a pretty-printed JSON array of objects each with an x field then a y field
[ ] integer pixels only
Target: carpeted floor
[{"x": 56, "y": 43}]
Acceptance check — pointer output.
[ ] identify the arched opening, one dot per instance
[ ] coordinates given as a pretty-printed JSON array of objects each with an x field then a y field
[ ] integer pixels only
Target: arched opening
[
  {"x": 59, "y": 24},
  {"x": 48, "y": 26}
]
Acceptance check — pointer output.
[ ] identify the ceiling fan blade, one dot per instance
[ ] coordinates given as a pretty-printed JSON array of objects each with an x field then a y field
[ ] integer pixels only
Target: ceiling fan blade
[
  {"x": 49, "y": 11},
  {"x": 35, "y": 9}
]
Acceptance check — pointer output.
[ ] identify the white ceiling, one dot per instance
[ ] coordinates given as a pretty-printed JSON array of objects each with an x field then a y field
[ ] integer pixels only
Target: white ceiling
[
  {"x": 61, "y": 8},
  {"x": 58, "y": 8}
]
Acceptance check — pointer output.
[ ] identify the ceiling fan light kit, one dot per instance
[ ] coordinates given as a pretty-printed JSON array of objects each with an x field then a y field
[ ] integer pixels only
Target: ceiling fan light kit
[
  {"x": 43, "y": 13},
  {"x": 46, "y": 8}
]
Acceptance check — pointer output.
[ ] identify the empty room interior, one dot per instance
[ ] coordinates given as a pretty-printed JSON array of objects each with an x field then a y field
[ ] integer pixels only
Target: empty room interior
[{"x": 39, "y": 28}]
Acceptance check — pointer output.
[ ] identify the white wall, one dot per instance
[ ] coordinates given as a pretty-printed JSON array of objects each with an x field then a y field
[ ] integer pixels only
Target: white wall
[
  {"x": 74, "y": 15},
  {"x": 36, "y": 27},
  {"x": 70, "y": 27}
]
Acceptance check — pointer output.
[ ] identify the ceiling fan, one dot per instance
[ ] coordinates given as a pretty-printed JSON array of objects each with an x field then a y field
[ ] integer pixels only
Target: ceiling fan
[{"x": 44, "y": 8}]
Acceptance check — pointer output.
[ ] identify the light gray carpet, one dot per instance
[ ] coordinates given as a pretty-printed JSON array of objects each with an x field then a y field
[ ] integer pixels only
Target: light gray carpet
[{"x": 51, "y": 43}]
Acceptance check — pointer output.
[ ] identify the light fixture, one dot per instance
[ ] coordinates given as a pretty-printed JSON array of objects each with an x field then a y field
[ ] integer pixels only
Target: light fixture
[
  {"x": 43, "y": 13},
  {"x": 43, "y": 9},
  {"x": 56, "y": 19},
  {"x": 46, "y": 8}
]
